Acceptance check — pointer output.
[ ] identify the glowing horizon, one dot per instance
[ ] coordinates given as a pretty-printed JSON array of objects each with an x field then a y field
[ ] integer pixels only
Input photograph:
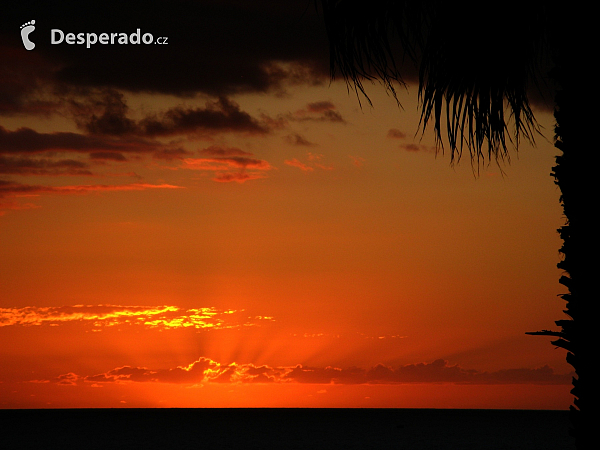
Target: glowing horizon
[{"x": 233, "y": 230}]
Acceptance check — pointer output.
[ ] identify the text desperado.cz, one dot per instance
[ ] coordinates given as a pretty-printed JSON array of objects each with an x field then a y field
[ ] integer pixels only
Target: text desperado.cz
[{"x": 89, "y": 39}]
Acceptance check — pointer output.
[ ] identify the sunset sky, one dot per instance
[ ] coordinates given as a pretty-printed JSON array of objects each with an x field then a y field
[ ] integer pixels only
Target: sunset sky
[{"x": 213, "y": 223}]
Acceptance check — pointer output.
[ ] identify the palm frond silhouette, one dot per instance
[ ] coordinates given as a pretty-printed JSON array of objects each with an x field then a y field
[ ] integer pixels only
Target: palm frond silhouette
[{"x": 476, "y": 65}]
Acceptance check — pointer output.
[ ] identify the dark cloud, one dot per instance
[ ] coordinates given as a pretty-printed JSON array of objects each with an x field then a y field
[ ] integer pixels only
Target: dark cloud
[
  {"x": 126, "y": 373},
  {"x": 214, "y": 47},
  {"x": 296, "y": 139},
  {"x": 68, "y": 379},
  {"x": 412, "y": 147},
  {"x": 207, "y": 370},
  {"x": 8, "y": 187},
  {"x": 24, "y": 79},
  {"x": 103, "y": 113},
  {"x": 321, "y": 106},
  {"x": 106, "y": 113},
  {"x": 170, "y": 154},
  {"x": 332, "y": 116},
  {"x": 216, "y": 150},
  {"x": 394, "y": 133},
  {"x": 194, "y": 373},
  {"x": 26, "y": 152},
  {"x": 322, "y": 111},
  {"x": 110, "y": 156},
  {"x": 327, "y": 375},
  {"x": 438, "y": 371},
  {"x": 30, "y": 166},
  {"x": 27, "y": 141},
  {"x": 222, "y": 115}
]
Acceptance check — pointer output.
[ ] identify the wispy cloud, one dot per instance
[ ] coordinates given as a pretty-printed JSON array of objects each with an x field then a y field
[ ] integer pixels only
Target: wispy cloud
[
  {"x": 237, "y": 177},
  {"x": 297, "y": 139},
  {"x": 412, "y": 147},
  {"x": 321, "y": 111},
  {"x": 232, "y": 164},
  {"x": 10, "y": 189},
  {"x": 300, "y": 165},
  {"x": 6, "y": 205},
  {"x": 395, "y": 133},
  {"x": 357, "y": 161},
  {"x": 162, "y": 317},
  {"x": 313, "y": 161}
]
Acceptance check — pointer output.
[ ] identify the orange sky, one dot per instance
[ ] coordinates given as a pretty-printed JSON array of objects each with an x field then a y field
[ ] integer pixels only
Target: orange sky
[{"x": 288, "y": 249}]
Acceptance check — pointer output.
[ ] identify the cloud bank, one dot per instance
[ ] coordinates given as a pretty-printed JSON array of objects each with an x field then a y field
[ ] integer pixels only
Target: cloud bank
[{"x": 205, "y": 370}]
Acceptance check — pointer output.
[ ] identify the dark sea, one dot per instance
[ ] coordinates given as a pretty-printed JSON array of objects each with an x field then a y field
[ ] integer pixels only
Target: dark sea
[{"x": 420, "y": 429}]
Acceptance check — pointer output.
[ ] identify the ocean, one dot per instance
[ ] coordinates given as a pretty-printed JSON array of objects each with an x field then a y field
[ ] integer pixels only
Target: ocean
[{"x": 406, "y": 429}]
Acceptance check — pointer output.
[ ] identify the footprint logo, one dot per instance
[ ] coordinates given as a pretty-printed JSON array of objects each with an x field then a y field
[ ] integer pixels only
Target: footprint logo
[{"x": 26, "y": 29}]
